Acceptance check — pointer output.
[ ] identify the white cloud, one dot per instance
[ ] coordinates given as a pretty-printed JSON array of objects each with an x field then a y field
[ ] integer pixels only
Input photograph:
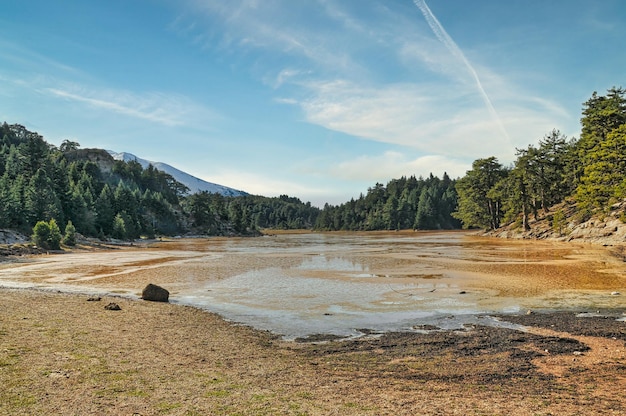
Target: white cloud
[
  {"x": 281, "y": 29},
  {"x": 440, "y": 106},
  {"x": 30, "y": 61},
  {"x": 393, "y": 164},
  {"x": 286, "y": 75},
  {"x": 432, "y": 118},
  {"x": 339, "y": 77},
  {"x": 43, "y": 76},
  {"x": 257, "y": 183}
]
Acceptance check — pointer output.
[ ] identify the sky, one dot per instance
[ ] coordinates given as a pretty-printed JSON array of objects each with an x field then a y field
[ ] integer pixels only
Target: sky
[{"x": 317, "y": 99}]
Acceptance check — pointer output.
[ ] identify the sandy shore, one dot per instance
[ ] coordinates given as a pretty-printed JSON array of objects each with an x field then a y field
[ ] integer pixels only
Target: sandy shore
[{"x": 62, "y": 354}]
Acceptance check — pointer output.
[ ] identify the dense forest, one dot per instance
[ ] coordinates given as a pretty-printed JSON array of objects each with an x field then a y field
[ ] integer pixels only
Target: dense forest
[
  {"x": 210, "y": 213},
  {"x": 95, "y": 195},
  {"x": 405, "y": 203},
  {"x": 99, "y": 196},
  {"x": 588, "y": 173}
]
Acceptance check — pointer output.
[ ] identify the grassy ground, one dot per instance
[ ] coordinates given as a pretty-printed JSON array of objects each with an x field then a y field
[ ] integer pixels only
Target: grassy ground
[{"x": 62, "y": 354}]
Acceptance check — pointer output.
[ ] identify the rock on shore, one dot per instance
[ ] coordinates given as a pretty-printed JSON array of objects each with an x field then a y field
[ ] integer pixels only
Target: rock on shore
[{"x": 155, "y": 293}]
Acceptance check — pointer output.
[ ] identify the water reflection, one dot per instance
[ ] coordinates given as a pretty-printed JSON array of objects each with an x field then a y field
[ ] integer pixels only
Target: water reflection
[
  {"x": 303, "y": 284},
  {"x": 382, "y": 282},
  {"x": 331, "y": 263}
]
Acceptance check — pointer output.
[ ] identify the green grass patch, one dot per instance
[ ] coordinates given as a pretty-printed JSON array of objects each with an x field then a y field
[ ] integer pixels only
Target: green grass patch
[
  {"x": 168, "y": 407},
  {"x": 137, "y": 393},
  {"x": 217, "y": 393},
  {"x": 18, "y": 403}
]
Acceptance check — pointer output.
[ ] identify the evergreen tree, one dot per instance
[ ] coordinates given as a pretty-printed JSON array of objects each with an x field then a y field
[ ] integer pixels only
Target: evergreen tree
[
  {"x": 119, "y": 228},
  {"x": 105, "y": 211},
  {"x": 425, "y": 217},
  {"x": 477, "y": 207},
  {"x": 69, "y": 237},
  {"x": 41, "y": 202},
  {"x": 601, "y": 149},
  {"x": 604, "y": 175}
]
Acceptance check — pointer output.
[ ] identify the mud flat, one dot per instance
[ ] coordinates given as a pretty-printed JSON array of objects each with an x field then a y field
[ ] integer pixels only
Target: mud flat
[
  {"x": 63, "y": 354},
  {"x": 298, "y": 285}
]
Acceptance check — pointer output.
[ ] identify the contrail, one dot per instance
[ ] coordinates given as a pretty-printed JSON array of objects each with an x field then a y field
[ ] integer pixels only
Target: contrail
[{"x": 443, "y": 36}]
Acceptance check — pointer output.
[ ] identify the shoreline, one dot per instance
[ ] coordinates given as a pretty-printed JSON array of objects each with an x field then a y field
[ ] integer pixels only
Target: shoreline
[
  {"x": 60, "y": 353},
  {"x": 490, "y": 279},
  {"x": 63, "y": 354},
  {"x": 503, "y": 318}
]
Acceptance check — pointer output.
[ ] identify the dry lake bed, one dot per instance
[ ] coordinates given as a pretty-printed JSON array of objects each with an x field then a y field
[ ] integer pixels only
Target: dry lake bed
[
  {"x": 430, "y": 324},
  {"x": 345, "y": 284}
]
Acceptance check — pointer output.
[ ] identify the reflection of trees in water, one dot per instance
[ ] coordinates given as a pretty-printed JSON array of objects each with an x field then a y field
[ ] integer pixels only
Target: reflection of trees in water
[{"x": 332, "y": 263}]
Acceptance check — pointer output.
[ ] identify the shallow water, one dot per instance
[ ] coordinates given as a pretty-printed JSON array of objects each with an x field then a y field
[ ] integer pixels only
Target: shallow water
[{"x": 345, "y": 283}]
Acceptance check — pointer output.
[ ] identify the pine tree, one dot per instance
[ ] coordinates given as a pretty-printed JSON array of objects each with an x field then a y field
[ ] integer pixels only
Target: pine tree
[
  {"x": 477, "y": 206},
  {"x": 69, "y": 237},
  {"x": 601, "y": 149}
]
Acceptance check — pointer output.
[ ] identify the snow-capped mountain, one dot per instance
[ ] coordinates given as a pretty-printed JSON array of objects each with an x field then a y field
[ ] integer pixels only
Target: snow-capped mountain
[{"x": 194, "y": 184}]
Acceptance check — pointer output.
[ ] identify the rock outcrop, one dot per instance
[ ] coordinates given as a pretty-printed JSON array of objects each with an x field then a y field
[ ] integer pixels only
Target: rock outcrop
[{"x": 603, "y": 228}]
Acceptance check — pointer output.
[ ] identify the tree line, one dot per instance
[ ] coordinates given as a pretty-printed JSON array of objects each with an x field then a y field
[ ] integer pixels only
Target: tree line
[
  {"x": 40, "y": 182},
  {"x": 92, "y": 194},
  {"x": 215, "y": 214},
  {"x": 589, "y": 172},
  {"x": 54, "y": 188},
  {"x": 405, "y": 203}
]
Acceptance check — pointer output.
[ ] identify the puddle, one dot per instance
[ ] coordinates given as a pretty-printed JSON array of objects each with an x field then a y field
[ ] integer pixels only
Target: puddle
[{"x": 346, "y": 284}]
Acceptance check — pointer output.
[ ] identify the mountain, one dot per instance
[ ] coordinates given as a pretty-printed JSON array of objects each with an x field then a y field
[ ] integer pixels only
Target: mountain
[{"x": 194, "y": 184}]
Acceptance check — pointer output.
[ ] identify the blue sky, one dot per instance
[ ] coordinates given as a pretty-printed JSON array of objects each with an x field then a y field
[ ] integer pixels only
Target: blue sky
[{"x": 318, "y": 99}]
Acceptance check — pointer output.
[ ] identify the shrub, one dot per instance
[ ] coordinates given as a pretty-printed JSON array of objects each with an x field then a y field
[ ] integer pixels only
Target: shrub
[{"x": 47, "y": 235}]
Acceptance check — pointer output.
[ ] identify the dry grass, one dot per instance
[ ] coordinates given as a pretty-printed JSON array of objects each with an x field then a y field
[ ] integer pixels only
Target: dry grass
[{"x": 60, "y": 354}]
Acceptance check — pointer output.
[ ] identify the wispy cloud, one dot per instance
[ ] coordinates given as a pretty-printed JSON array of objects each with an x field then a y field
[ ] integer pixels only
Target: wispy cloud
[
  {"x": 282, "y": 30},
  {"x": 430, "y": 118},
  {"x": 35, "y": 75},
  {"x": 439, "y": 104},
  {"x": 168, "y": 110},
  {"x": 454, "y": 49},
  {"x": 285, "y": 76},
  {"x": 259, "y": 184},
  {"x": 30, "y": 61}
]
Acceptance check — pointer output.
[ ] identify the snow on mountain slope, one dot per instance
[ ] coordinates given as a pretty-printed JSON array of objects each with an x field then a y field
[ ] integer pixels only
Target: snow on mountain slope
[{"x": 194, "y": 184}]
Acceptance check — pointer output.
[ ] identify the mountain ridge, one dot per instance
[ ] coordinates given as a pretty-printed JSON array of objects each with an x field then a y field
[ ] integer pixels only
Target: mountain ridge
[{"x": 194, "y": 183}]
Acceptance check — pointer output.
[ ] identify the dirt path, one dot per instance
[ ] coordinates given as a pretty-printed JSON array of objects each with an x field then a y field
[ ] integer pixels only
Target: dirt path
[{"x": 62, "y": 354}]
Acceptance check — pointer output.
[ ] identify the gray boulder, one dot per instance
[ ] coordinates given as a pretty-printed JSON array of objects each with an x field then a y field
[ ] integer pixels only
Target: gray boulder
[{"x": 155, "y": 293}]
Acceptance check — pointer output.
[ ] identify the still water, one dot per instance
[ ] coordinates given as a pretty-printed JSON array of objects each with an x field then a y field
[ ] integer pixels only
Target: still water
[
  {"x": 344, "y": 283},
  {"x": 347, "y": 283}
]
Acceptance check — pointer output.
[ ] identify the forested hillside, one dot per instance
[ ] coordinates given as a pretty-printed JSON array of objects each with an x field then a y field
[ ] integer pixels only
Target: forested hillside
[
  {"x": 96, "y": 195},
  {"x": 588, "y": 174},
  {"x": 100, "y": 196},
  {"x": 405, "y": 203},
  {"x": 40, "y": 182}
]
